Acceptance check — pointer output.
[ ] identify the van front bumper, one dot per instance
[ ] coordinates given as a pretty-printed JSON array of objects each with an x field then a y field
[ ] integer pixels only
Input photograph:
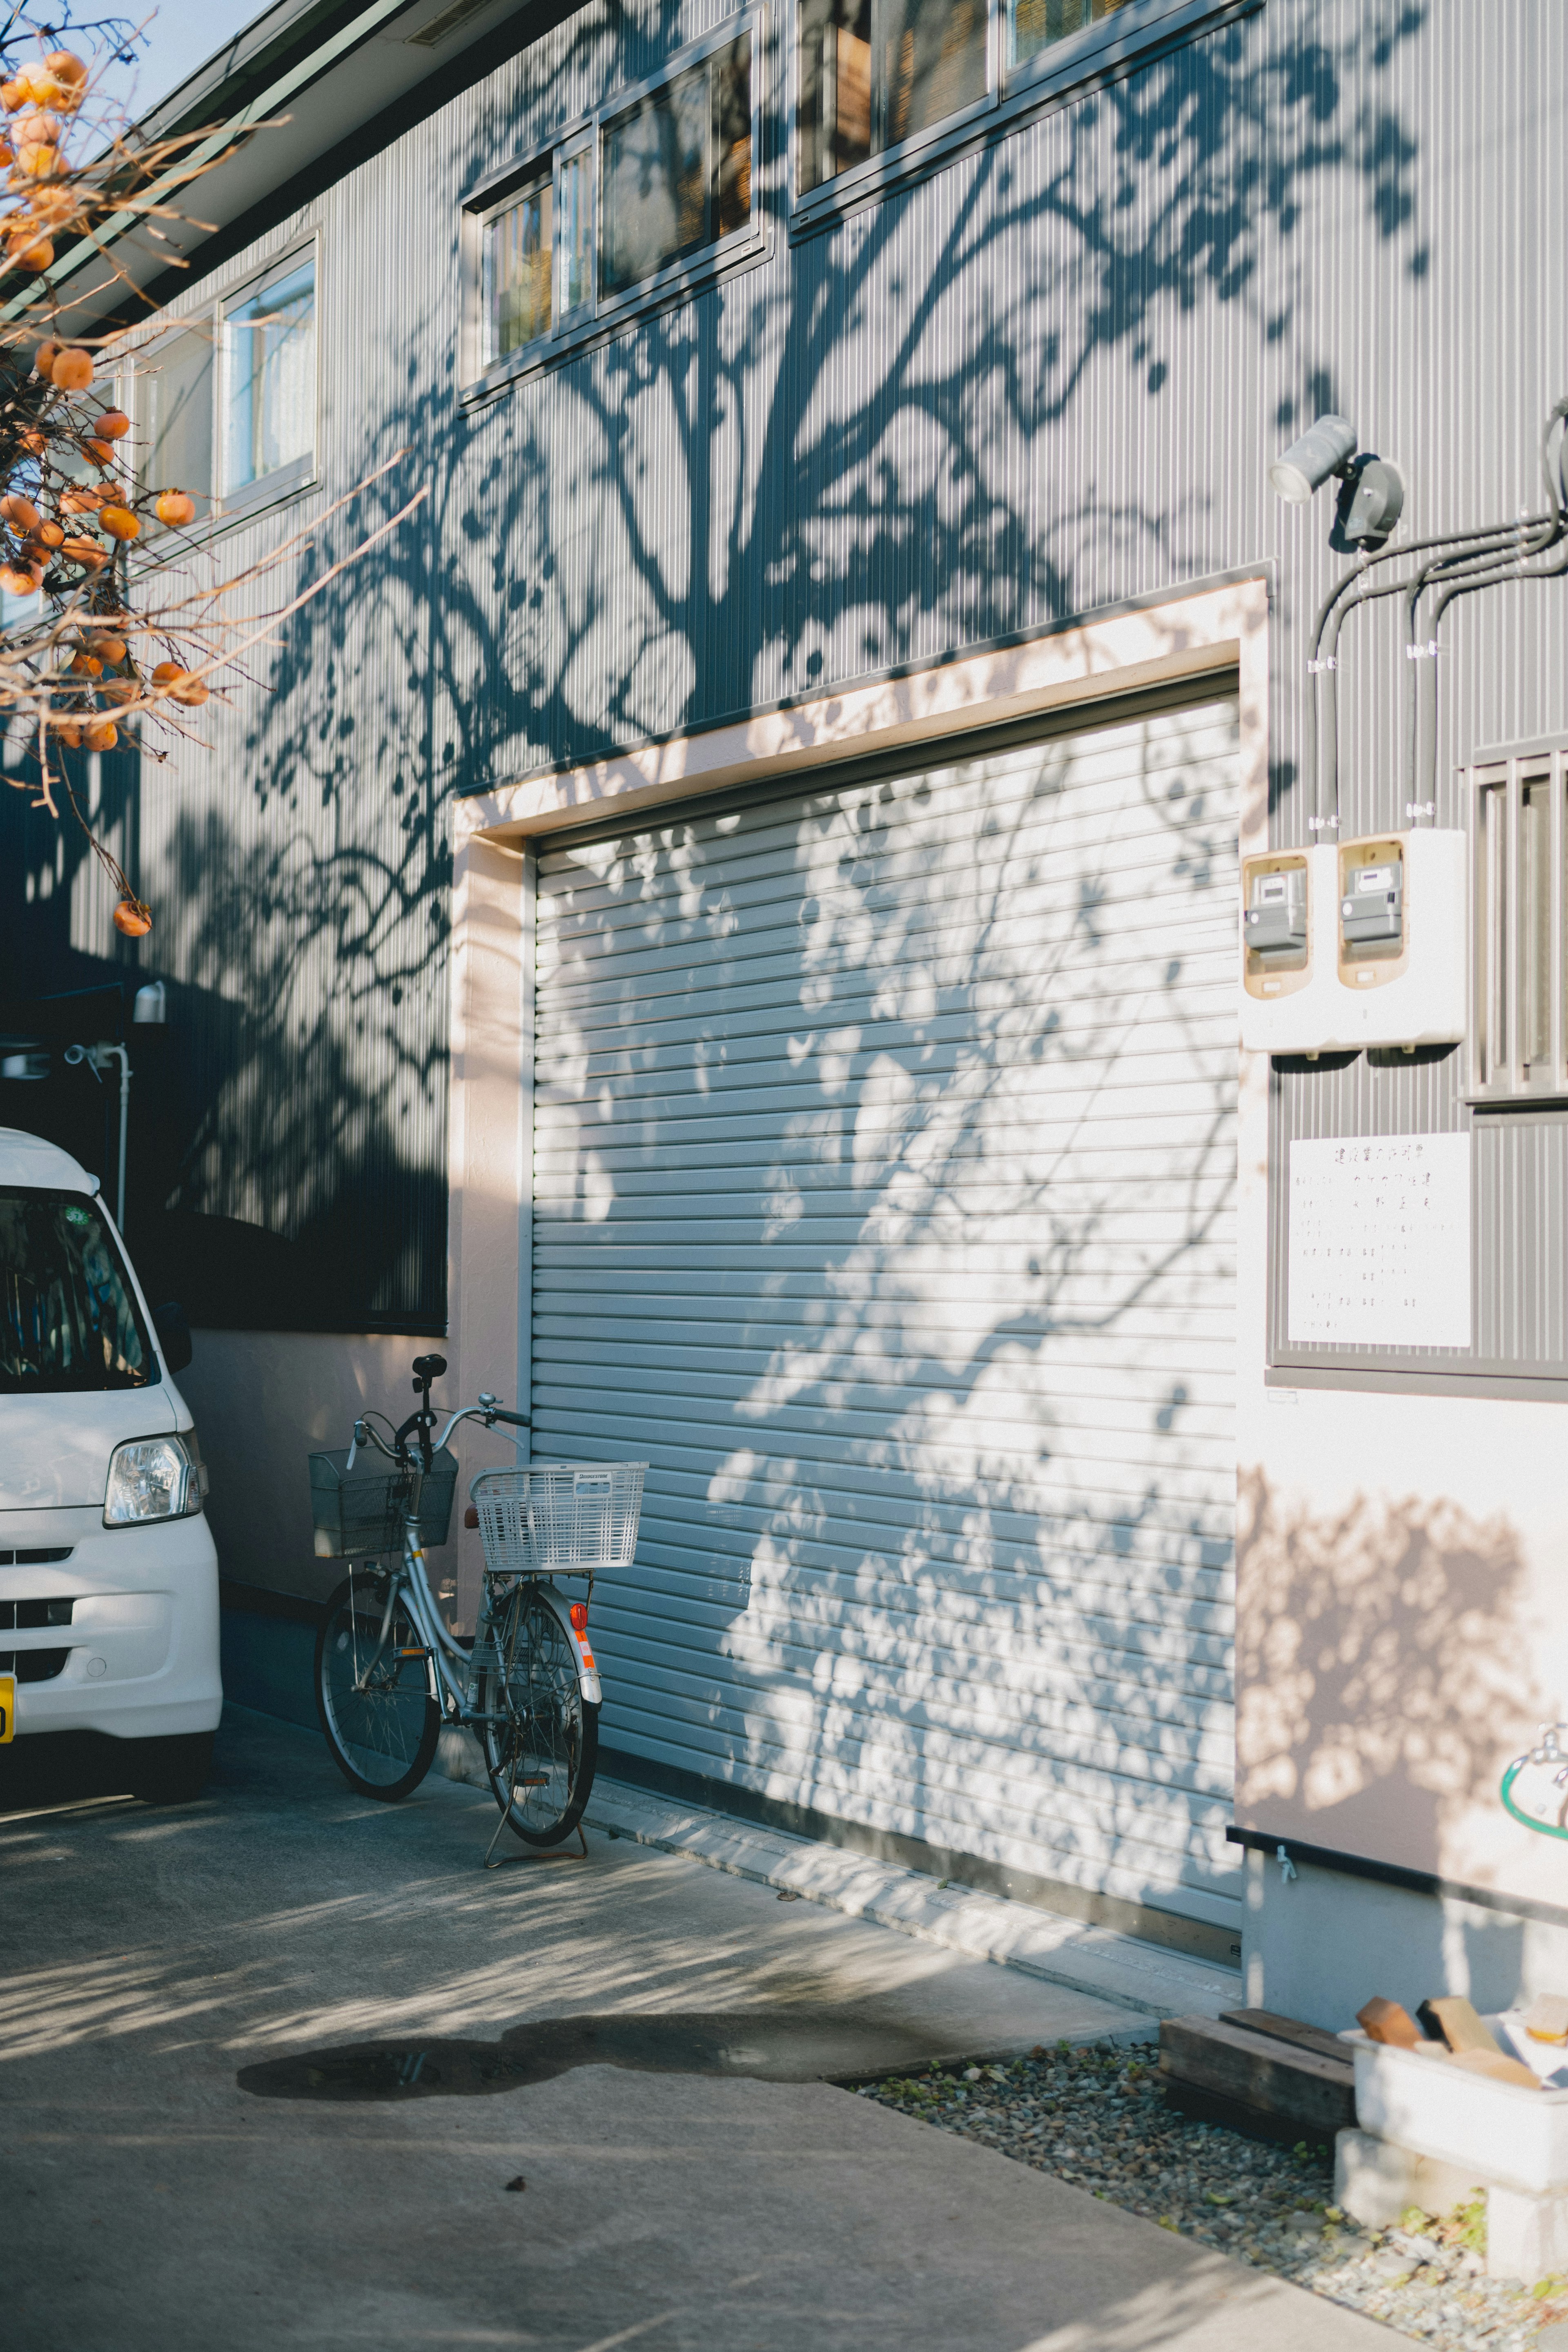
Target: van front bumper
[{"x": 140, "y": 1649}]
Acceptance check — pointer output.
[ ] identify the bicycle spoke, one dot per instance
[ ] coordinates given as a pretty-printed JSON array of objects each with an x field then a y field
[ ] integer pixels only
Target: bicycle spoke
[
  {"x": 539, "y": 1739},
  {"x": 374, "y": 1699}
]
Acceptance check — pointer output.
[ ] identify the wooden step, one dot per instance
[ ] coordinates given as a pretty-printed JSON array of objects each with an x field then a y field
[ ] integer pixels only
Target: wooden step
[
  {"x": 1283, "y": 2080},
  {"x": 1290, "y": 2029}
]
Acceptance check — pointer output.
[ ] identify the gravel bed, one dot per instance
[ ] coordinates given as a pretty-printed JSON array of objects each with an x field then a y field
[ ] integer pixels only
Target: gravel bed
[{"x": 1095, "y": 2115}]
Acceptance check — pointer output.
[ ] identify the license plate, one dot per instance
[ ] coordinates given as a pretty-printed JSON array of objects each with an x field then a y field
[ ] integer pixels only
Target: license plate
[{"x": 7, "y": 1707}]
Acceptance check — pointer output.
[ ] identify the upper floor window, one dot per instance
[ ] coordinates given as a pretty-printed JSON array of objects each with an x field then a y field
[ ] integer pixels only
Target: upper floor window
[
  {"x": 269, "y": 380},
  {"x": 225, "y": 401},
  {"x": 657, "y": 184},
  {"x": 875, "y": 73}
]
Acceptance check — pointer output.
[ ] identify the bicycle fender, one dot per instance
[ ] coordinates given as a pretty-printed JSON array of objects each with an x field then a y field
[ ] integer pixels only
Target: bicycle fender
[{"x": 587, "y": 1671}]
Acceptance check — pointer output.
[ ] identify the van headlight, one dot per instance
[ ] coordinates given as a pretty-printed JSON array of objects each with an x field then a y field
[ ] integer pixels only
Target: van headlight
[{"x": 152, "y": 1478}]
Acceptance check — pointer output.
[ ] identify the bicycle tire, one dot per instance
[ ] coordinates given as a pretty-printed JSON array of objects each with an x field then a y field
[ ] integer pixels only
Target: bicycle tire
[
  {"x": 381, "y": 1738},
  {"x": 541, "y": 1760}
]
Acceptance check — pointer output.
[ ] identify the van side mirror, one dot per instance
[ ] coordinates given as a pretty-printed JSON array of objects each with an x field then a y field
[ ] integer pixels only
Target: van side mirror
[{"x": 174, "y": 1335}]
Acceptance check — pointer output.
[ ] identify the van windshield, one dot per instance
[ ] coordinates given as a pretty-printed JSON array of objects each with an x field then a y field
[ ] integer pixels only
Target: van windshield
[{"x": 68, "y": 1318}]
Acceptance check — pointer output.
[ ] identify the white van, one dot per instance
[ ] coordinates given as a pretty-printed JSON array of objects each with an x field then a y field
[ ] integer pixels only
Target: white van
[{"x": 109, "y": 1599}]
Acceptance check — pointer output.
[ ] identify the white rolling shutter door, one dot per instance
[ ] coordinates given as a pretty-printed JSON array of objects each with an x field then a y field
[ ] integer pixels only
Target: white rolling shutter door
[{"x": 885, "y": 1145}]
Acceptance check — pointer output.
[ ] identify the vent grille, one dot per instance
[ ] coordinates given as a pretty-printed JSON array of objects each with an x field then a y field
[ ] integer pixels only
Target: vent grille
[
  {"x": 27, "y": 1616},
  {"x": 449, "y": 20},
  {"x": 33, "y": 1665}
]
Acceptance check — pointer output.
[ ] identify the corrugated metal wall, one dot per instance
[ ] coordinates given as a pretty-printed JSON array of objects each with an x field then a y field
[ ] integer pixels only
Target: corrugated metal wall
[
  {"x": 1046, "y": 378},
  {"x": 885, "y": 1163}
]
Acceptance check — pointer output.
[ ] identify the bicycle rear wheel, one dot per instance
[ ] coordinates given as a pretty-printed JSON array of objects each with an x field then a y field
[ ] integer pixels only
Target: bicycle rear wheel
[
  {"x": 379, "y": 1720},
  {"x": 541, "y": 1747}
]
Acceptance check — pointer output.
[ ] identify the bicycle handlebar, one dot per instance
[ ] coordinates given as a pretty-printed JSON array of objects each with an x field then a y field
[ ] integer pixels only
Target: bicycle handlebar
[{"x": 487, "y": 1410}]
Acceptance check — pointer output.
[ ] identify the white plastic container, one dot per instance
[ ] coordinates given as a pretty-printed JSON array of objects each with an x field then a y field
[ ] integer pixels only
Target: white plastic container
[{"x": 1495, "y": 2130}]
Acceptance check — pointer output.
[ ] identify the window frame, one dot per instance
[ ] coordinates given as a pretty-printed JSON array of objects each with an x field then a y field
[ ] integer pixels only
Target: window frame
[
  {"x": 601, "y": 315},
  {"x": 1495, "y": 794},
  {"x": 284, "y": 481},
  {"x": 1100, "y": 52},
  {"x": 230, "y": 509}
]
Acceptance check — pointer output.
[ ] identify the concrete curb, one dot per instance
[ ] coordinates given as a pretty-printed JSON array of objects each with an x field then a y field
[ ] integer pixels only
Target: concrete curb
[{"x": 1117, "y": 1968}]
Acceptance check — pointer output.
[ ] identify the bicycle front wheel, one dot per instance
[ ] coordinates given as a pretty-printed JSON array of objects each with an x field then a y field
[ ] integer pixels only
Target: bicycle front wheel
[
  {"x": 373, "y": 1690},
  {"x": 541, "y": 1738}
]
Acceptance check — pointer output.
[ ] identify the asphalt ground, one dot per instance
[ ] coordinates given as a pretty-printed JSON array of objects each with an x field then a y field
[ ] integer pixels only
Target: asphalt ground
[{"x": 272, "y": 2064}]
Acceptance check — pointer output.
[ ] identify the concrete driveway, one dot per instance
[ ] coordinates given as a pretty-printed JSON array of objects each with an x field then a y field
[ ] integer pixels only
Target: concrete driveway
[{"x": 401, "y": 2019}]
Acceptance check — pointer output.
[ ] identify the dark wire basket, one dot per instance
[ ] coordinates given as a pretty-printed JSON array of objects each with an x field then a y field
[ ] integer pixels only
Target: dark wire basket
[{"x": 360, "y": 1512}]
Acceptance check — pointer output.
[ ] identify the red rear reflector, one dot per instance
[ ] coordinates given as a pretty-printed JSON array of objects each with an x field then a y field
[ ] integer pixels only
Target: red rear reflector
[
  {"x": 578, "y": 1612},
  {"x": 472, "y": 1515}
]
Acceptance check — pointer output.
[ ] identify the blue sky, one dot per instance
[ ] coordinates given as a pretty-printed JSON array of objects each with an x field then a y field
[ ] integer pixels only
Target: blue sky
[{"x": 181, "y": 36}]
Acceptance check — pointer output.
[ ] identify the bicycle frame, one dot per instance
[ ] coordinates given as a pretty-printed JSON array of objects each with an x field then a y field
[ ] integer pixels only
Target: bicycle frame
[{"x": 447, "y": 1665}]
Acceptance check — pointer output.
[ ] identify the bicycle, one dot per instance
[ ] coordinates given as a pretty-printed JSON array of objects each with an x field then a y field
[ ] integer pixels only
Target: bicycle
[{"x": 389, "y": 1673}]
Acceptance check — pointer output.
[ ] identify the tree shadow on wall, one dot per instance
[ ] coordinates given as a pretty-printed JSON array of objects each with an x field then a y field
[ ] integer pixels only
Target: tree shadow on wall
[
  {"x": 728, "y": 503},
  {"x": 904, "y": 1356},
  {"x": 1384, "y": 1676},
  {"x": 286, "y": 1132}
]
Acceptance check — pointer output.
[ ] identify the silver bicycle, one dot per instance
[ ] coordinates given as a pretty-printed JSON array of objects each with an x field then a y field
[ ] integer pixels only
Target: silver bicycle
[{"x": 389, "y": 1672}]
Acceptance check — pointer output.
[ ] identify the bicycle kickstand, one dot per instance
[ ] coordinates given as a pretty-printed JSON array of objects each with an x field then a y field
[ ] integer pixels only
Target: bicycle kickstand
[{"x": 582, "y": 1855}]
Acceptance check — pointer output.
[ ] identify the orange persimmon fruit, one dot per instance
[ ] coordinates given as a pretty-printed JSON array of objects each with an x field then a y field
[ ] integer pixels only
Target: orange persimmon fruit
[
  {"x": 171, "y": 679},
  {"x": 130, "y": 916},
  {"x": 175, "y": 507},
  {"x": 18, "y": 511},
  {"x": 52, "y": 204},
  {"x": 110, "y": 649},
  {"x": 112, "y": 425},
  {"x": 51, "y": 534},
  {"x": 72, "y": 370},
  {"x": 36, "y": 258},
  {"x": 18, "y": 583},
  {"x": 119, "y": 522},
  {"x": 102, "y": 735},
  {"x": 67, "y": 80},
  {"x": 87, "y": 552}
]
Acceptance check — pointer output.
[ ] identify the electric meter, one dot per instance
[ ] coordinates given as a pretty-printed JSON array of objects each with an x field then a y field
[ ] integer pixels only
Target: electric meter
[{"x": 1372, "y": 912}]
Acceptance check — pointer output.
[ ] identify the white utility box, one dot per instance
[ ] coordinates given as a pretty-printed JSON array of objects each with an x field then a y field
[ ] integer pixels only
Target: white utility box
[
  {"x": 1492, "y": 2131},
  {"x": 1360, "y": 945}
]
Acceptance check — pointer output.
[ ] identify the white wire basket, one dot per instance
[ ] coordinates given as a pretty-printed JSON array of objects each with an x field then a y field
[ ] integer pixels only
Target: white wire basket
[{"x": 559, "y": 1518}]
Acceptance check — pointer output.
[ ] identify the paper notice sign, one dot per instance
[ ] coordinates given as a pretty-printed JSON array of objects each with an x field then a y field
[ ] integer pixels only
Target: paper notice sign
[{"x": 1380, "y": 1241}]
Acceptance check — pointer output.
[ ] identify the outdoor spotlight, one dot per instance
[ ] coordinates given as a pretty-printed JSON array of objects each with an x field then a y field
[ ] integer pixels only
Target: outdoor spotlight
[
  {"x": 1370, "y": 502},
  {"x": 151, "y": 1004},
  {"x": 31, "y": 1064},
  {"x": 1324, "y": 449}
]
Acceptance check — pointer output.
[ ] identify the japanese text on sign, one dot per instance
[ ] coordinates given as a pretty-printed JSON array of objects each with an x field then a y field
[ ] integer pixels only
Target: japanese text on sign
[{"x": 1380, "y": 1241}]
